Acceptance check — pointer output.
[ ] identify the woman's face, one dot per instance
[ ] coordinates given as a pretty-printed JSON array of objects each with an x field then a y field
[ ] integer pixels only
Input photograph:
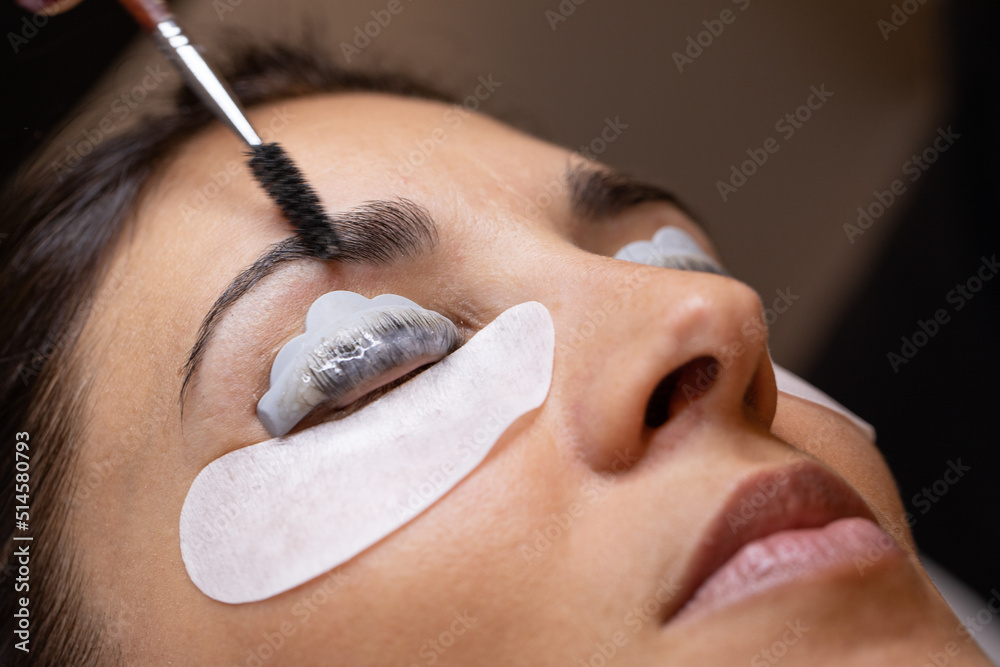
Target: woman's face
[{"x": 588, "y": 526}]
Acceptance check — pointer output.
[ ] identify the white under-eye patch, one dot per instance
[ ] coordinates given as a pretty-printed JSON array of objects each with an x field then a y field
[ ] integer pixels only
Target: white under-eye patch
[
  {"x": 671, "y": 248},
  {"x": 792, "y": 384},
  {"x": 269, "y": 517}
]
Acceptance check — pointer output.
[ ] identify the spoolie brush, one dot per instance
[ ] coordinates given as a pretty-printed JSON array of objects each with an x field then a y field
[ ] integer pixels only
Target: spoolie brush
[
  {"x": 283, "y": 181},
  {"x": 271, "y": 165}
]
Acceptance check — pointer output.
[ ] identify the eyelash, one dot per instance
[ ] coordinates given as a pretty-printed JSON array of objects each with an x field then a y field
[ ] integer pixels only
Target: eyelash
[
  {"x": 371, "y": 351},
  {"x": 671, "y": 248},
  {"x": 326, "y": 411},
  {"x": 406, "y": 327}
]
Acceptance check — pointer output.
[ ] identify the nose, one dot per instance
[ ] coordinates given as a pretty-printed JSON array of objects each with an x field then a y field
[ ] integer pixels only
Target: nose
[{"x": 647, "y": 347}]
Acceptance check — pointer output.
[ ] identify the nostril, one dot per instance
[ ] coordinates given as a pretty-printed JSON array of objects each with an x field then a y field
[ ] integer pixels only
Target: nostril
[
  {"x": 679, "y": 389},
  {"x": 658, "y": 408}
]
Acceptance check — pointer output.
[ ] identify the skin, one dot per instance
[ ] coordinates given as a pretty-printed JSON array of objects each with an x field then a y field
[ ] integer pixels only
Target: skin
[{"x": 471, "y": 553}]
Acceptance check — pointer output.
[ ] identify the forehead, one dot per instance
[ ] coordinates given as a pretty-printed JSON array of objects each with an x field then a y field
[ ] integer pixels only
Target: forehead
[
  {"x": 352, "y": 148},
  {"x": 359, "y": 147}
]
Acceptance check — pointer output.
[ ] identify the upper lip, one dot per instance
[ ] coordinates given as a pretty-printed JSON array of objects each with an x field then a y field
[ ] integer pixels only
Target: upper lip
[{"x": 810, "y": 497}]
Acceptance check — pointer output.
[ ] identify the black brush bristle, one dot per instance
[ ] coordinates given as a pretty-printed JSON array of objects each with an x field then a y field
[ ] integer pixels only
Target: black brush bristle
[{"x": 286, "y": 186}]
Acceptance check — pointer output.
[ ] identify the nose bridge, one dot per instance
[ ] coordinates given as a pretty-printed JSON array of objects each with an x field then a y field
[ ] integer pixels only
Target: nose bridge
[{"x": 635, "y": 340}]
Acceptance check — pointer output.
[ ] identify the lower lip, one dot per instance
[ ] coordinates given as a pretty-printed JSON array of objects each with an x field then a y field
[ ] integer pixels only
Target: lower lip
[{"x": 791, "y": 556}]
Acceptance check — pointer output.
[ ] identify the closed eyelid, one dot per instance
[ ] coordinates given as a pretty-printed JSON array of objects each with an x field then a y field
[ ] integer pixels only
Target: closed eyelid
[{"x": 351, "y": 346}]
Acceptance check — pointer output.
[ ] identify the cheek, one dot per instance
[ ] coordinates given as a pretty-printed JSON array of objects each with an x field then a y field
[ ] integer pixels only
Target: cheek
[{"x": 834, "y": 440}]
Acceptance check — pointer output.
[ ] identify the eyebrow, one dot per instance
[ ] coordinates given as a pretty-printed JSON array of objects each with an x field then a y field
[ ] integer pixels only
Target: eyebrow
[
  {"x": 377, "y": 233},
  {"x": 599, "y": 193}
]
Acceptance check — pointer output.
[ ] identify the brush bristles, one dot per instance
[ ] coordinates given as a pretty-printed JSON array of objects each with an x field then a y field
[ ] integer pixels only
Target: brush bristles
[{"x": 286, "y": 186}]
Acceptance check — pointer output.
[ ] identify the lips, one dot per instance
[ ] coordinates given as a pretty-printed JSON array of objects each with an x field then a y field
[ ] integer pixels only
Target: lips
[{"x": 776, "y": 527}]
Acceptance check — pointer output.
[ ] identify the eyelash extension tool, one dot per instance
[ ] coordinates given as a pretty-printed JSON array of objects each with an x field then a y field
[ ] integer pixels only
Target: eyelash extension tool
[{"x": 271, "y": 165}]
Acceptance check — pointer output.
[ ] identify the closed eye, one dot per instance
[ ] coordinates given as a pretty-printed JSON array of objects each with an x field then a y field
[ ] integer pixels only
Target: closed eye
[
  {"x": 351, "y": 348},
  {"x": 328, "y": 411}
]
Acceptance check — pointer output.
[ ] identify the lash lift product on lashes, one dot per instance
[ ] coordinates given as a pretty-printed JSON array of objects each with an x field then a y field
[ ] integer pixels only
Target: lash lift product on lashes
[
  {"x": 671, "y": 248},
  {"x": 351, "y": 346},
  {"x": 271, "y": 165}
]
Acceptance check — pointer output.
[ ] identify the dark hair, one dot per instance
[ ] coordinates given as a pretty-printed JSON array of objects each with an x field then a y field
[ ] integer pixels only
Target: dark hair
[{"x": 56, "y": 238}]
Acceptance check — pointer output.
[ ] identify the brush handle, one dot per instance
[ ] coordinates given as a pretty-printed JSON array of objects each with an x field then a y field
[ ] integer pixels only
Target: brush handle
[
  {"x": 156, "y": 19},
  {"x": 147, "y": 12}
]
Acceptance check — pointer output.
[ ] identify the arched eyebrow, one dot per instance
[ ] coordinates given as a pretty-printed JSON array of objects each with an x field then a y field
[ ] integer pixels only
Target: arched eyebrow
[
  {"x": 599, "y": 193},
  {"x": 377, "y": 233}
]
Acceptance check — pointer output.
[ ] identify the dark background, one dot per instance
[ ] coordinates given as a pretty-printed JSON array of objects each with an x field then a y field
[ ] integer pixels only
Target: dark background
[
  {"x": 939, "y": 407},
  {"x": 944, "y": 403}
]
